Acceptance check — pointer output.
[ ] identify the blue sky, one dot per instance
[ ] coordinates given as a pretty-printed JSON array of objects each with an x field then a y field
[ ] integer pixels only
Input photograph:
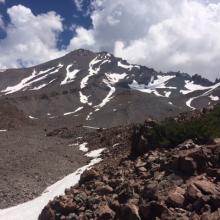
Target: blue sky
[
  {"x": 167, "y": 35},
  {"x": 66, "y": 8}
]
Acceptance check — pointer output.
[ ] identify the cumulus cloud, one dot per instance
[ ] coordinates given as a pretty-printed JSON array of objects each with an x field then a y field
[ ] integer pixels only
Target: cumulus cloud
[
  {"x": 2, "y": 1},
  {"x": 164, "y": 34},
  {"x": 168, "y": 35},
  {"x": 79, "y": 4},
  {"x": 30, "y": 39},
  {"x": 1, "y": 22}
]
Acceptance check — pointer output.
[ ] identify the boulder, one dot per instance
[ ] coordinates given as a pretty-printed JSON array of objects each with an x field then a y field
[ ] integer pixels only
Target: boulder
[
  {"x": 105, "y": 213},
  {"x": 187, "y": 165},
  {"x": 130, "y": 212},
  {"x": 88, "y": 175},
  {"x": 104, "y": 190},
  {"x": 47, "y": 214},
  {"x": 193, "y": 192}
]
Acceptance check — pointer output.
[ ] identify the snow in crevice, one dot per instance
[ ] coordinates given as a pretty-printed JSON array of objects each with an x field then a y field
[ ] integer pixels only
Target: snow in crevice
[
  {"x": 32, "y": 209},
  {"x": 153, "y": 85},
  {"x": 27, "y": 82},
  {"x": 43, "y": 85},
  {"x": 208, "y": 91},
  {"x": 95, "y": 153},
  {"x": 84, "y": 99},
  {"x": 70, "y": 75},
  {"x": 83, "y": 147},
  {"x": 110, "y": 81},
  {"x": 88, "y": 117},
  {"x": 125, "y": 66},
  {"x": 90, "y": 127},
  {"x": 32, "y": 117},
  {"x": 92, "y": 71},
  {"x": 107, "y": 98},
  {"x": 3, "y": 130},
  {"x": 75, "y": 111},
  {"x": 214, "y": 98},
  {"x": 189, "y": 103},
  {"x": 167, "y": 94}
]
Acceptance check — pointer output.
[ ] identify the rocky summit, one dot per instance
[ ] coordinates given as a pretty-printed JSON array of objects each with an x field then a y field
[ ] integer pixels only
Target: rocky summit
[{"x": 178, "y": 182}]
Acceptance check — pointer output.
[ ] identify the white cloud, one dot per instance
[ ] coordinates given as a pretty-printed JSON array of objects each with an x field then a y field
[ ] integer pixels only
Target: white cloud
[
  {"x": 1, "y": 22},
  {"x": 164, "y": 34},
  {"x": 2, "y": 1},
  {"x": 79, "y": 4},
  {"x": 30, "y": 39}
]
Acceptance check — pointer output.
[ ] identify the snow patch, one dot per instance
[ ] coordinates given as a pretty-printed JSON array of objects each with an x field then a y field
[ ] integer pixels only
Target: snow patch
[
  {"x": 159, "y": 83},
  {"x": 206, "y": 93},
  {"x": 32, "y": 209},
  {"x": 88, "y": 117},
  {"x": 3, "y": 130},
  {"x": 125, "y": 66},
  {"x": 214, "y": 98},
  {"x": 189, "y": 103},
  {"x": 77, "y": 110},
  {"x": 43, "y": 85},
  {"x": 32, "y": 117},
  {"x": 85, "y": 126},
  {"x": 167, "y": 94},
  {"x": 70, "y": 75},
  {"x": 95, "y": 153},
  {"x": 84, "y": 99},
  {"x": 83, "y": 147},
  {"x": 27, "y": 82},
  {"x": 112, "y": 79},
  {"x": 92, "y": 71},
  {"x": 191, "y": 87}
]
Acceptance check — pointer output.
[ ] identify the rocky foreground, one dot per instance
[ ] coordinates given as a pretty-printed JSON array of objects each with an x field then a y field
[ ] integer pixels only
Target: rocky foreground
[{"x": 179, "y": 183}]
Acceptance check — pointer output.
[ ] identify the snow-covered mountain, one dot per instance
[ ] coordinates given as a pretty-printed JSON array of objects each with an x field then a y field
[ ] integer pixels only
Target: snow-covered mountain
[{"x": 99, "y": 89}]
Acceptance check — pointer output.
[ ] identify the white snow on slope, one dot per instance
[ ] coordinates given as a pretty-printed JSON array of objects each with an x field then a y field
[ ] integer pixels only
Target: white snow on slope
[
  {"x": 189, "y": 103},
  {"x": 77, "y": 110},
  {"x": 206, "y": 93},
  {"x": 70, "y": 75},
  {"x": 95, "y": 153},
  {"x": 88, "y": 117},
  {"x": 107, "y": 98},
  {"x": 26, "y": 83},
  {"x": 83, "y": 147},
  {"x": 112, "y": 79},
  {"x": 31, "y": 117},
  {"x": 84, "y": 99},
  {"x": 167, "y": 94},
  {"x": 31, "y": 210},
  {"x": 143, "y": 88},
  {"x": 90, "y": 127},
  {"x": 43, "y": 85},
  {"x": 159, "y": 83},
  {"x": 191, "y": 87},
  {"x": 3, "y": 130},
  {"x": 214, "y": 98},
  {"x": 125, "y": 66},
  {"x": 92, "y": 71}
]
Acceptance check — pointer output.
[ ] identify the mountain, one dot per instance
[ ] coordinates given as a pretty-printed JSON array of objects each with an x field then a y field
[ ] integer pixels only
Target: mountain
[{"x": 98, "y": 89}]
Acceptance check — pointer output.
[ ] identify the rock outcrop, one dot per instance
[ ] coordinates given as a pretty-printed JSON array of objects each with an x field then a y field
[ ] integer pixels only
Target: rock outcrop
[{"x": 180, "y": 183}]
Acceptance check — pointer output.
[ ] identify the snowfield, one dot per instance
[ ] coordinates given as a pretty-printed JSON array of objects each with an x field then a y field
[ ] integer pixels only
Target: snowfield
[{"x": 32, "y": 209}]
